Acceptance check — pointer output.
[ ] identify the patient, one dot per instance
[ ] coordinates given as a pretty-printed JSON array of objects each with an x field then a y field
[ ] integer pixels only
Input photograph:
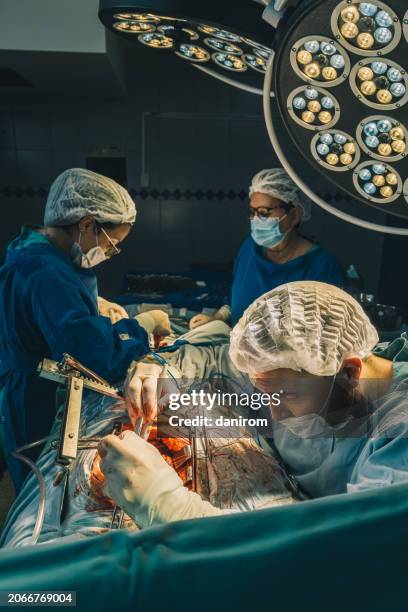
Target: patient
[{"x": 342, "y": 424}]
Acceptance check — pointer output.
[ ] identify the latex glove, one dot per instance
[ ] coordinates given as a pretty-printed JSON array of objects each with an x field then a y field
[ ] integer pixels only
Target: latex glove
[
  {"x": 115, "y": 312},
  {"x": 155, "y": 322},
  {"x": 222, "y": 314},
  {"x": 200, "y": 319},
  {"x": 147, "y": 388},
  {"x": 140, "y": 481}
]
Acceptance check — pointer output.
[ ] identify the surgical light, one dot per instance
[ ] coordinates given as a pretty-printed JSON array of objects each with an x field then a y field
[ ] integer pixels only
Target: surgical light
[
  {"x": 311, "y": 94},
  {"x": 398, "y": 90},
  {"x": 216, "y": 32},
  {"x": 335, "y": 150},
  {"x": 229, "y": 62},
  {"x": 314, "y": 117},
  {"x": 383, "y": 36},
  {"x": 366, "y": 74},
  {"x": 366, "y": 8},
  {"x": 369, "y": 172},
  {"x": 387, "y": 86},
  {"x": 255, "y": 62},
  {"x": 327, "y": 102},
  {"x": 157, "y": 41},
  {"x": 365, "y": 41},
  {"x": 384, "y": 150},
  {"x": 378, "y": 67},
  {"x": 221, "y": 34},
  {"x": 393, "y": 74},
  {"x": 319, "y": 60},
  {"x": 384, "y": 19},
  {"x": 371, "y": 180},
  {"x": 170, "y": 30},
  {"x": 193, "y": 53},
  {"x": 337, "y": 61},
  {"x": 146, "y": 17},
  {"x": 312, "y": 46},
  {"x": 314, "y": 106},
  {"x": 220, "y": 45},
  {"x": 134, "y": 27},
  {"x": 382, "y": 137},
  {"x": 363, "y": 28},
  {"x": 262, "y": 52}
]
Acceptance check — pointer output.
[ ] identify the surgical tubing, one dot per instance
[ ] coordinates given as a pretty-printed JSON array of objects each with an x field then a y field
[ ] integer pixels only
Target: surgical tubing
[{"x": 39, "y": 521}]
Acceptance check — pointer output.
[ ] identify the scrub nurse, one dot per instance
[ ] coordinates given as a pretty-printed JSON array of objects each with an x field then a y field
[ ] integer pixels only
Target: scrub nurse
[
  {"x": 275, "y": 252},
  {"x": 48, "y": 303}
]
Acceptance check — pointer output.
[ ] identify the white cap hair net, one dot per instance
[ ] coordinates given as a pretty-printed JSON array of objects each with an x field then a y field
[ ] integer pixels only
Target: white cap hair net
[
  {"x": 303, "y": 326},
  {"x": 278, "y": 184},
  {"x": 78, "y": 192}
]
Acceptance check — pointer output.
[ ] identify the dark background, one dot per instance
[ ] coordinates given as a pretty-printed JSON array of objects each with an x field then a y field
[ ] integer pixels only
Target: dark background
[{"x": 203, "y": 142}]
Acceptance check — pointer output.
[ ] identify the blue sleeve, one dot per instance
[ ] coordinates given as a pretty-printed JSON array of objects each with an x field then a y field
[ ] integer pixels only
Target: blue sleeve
[
  {"x": 70, "y": 324},
  {"x": 331, "y": 270},
  {"x": 383, "y": 462}
]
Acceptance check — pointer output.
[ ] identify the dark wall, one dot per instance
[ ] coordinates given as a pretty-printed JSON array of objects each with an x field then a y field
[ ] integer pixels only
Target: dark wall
[{"x": 203, "y": 142}]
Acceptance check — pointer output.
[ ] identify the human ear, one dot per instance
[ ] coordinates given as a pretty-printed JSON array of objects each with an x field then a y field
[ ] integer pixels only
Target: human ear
[
  {"x": 294, "y": 216},
  {"x": 85, "y": 223},
  {"x": 351, "y": 368}
]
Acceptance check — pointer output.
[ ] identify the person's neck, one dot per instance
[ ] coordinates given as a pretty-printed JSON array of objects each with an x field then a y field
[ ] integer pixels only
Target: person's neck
[
  {"x": 284, "y": 252},
  {"x": 58, "y": 238}
]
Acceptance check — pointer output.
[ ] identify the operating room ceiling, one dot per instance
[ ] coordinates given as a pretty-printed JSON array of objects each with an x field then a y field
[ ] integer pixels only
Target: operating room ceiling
[{"x": 57, "y": 48}]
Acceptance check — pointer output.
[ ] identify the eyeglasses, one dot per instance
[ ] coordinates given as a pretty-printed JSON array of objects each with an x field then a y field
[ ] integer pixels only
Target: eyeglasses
[
  {"x": 266, "y": 213},
  {"x": 113, "y": 249}
]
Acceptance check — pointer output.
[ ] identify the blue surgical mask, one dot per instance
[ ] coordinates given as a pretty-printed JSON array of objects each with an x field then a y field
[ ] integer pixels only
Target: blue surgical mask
[{"x": 266, "y": 232}]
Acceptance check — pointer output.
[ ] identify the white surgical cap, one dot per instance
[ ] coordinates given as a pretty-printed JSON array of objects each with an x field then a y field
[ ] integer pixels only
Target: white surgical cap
[
  {"x": 78, "y": 192},
  {"x": 303, "y": 326},
  {"x": 278, "y": 184}
]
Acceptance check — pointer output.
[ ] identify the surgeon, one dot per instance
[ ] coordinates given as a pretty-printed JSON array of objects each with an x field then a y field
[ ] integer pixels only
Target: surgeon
[
  {"x": 275, "y": 252},
  {"x": 49, "y": 306},
  {"x": 342, "y": 424}
]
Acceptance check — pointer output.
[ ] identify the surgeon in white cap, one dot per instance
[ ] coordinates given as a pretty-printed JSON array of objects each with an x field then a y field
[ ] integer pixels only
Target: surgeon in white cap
[
  {"x": 49, "y": 306},
  {"x": 341, "y": 425},
  {"x": 275, "y": 252}
]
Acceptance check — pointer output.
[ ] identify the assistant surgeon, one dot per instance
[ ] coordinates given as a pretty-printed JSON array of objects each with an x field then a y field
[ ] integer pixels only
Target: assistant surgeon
[
  {"x": 48, "y": 303},
  {"x": 275, "y": 253},
  {"x": 341, "y": 425}
]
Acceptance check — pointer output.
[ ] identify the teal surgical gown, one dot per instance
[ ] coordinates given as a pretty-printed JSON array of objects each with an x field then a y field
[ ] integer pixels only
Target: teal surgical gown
[
  {"x": 48, "y": 307},
  {"x": 366, "y": 453}
]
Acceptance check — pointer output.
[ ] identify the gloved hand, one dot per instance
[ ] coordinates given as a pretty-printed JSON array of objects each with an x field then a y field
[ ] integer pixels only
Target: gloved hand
[
  {"x": 147, "y": 388},
  {"x": 155, "y": 322},
  {"x": 222, "y": 314},
  {"x": 200, "y": 319},
  {"x": 140, "y": 481},
  {"x": 115, "y": 312}
]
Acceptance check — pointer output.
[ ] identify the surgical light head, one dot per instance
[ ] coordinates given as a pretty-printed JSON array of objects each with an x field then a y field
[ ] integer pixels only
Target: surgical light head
[
  {"x": 231, "y": 40},
  {"x": 302, "y": 326},
  {"x": 77, "y": 193},
  {"x": 354, "y": 55}
]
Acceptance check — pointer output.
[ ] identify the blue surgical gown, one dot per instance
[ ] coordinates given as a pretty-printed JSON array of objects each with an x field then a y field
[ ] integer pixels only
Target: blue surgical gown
[
  {"x": 48, "y": 307},
  {"x": 370, "y": 452},
  {"x": 254, "y": 274}
]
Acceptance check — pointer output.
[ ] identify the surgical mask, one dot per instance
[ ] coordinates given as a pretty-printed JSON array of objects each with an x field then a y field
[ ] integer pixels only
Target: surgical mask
[
  {"x": 92, "y": 258},
  {"x": 306, "y": 426},
  {"x": 313, "y": 425},
  {"x": 266, "y": 232}
]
